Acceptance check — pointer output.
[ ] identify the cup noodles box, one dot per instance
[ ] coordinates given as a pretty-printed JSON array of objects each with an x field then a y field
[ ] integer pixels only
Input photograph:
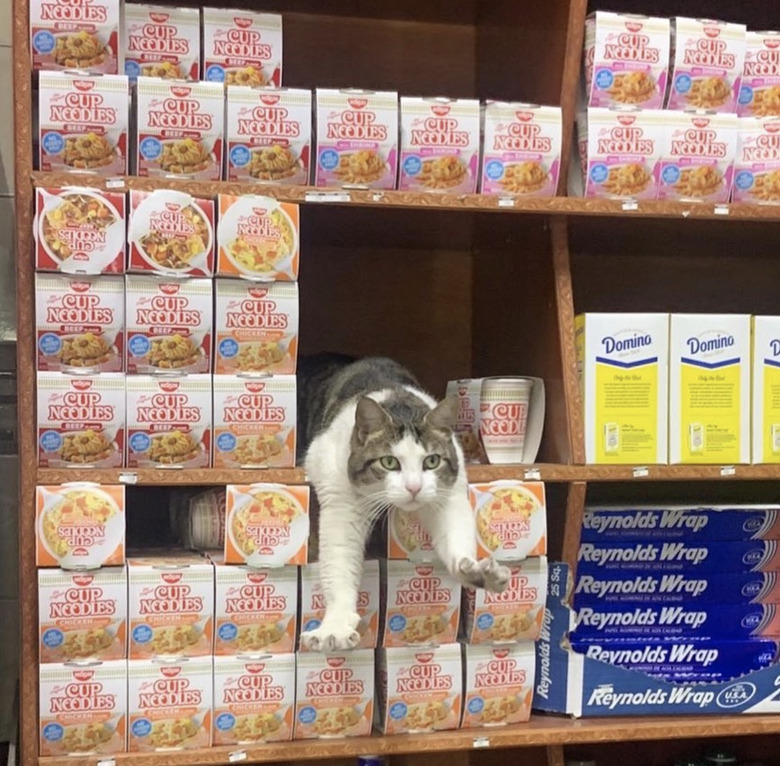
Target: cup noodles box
[
  {"x": 468, "y": 392},
  {"x": 168, "y": 324},
  {"x": 254, "y": 699},
  {"x": 256, "y": 327},
  {"x": 268, "y": 134},
  {"x": 759, "y": 92},
  {"x": 83, "y": 123},
  {"x": 707, "y": 62},
  {"x": 420, "y": 689},
  {"x": 267, "y": 525},
  {"x": 179, "y": 129},
  {"x": 254, "y": 422},
  {"x": 256, "y": 611},
  {"x": 521, "y": 149},
  {"x": 440, "y": 140},
  {"x": 168, "y": 421},
  {"x": 82, "y": 615},
  {"x": 79, "y": 231},
  {"x": 80, "y": 323},
  {"x": 161, "y": 42},
  {"x": 83, "y": 708},
  {"x": 697, "y": 160},
  {"x": 407, "y": 537},
  {"x": 258, "y": 238},
  {"x": 334, "y": 694},
  {"x": 169, "y": 704},
  {"x": 83, "y": 34},
  {"x": 170, "y": 606},
  {"x": 81, "y": 420},
  {"x": 368, "y": 603},
  {"x": 171, "y": 233},
  {"x": 357, "y": 138},
  {"x": 241, "y": 47},
  {"x": 499, "y": 684},
  {"x": 757, "y": 164},
  {"x": 626, "y": 59}
]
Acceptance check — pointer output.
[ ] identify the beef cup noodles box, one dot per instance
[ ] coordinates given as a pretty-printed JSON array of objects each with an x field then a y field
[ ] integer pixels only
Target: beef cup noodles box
[
  {"x": 357, "y": 138},
  {"x": 757, "y": 164},
  {"x": 180, "y": 129},
  {"x": 168, "y": 421},
  {"x": 468, "y": 392},
  {"x": 709, "y": 388},
  {"x": 334, "y": 694},
  {"x": 766, "y": 390},
  {"x": 622, "y": 361},
  {"x": 759, "y": 92},
  {"x": 80, "y": 323},
  {"x": 81, "y": 420},
  {"x": 83, "y": 708},
  {"x": 269, "y": 134},
  {"x": 706, "y": 64},
  {"x": 254, "y": 699},
  {"x": 420, "y": 689},
  {"x": 83, "y": 123},
  {"x": 169, "y": 704}
]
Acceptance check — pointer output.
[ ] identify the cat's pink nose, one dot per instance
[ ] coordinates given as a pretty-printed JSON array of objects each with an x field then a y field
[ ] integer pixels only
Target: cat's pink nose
[{"x": 413, "y": 488}]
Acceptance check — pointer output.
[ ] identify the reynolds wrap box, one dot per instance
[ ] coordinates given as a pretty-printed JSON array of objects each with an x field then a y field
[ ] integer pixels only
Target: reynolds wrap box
[
  {"x": 759, "y": 93},
  {"x": 766, "y": 389}
]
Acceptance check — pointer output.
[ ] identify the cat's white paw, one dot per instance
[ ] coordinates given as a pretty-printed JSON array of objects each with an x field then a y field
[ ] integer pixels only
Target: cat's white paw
[
  {"x": 487, "y": 574},
  {"x": 333, "y": 635}
]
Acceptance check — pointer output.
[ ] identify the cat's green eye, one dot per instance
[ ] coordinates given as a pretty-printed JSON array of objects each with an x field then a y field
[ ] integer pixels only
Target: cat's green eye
[
  {"x": 390, "y": 463},
  {"x": 431, "y": 462}
]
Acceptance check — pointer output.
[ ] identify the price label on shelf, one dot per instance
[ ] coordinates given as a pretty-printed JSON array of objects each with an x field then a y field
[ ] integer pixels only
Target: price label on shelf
[
  {"x": 640, "y": 472},
  {"x": 236, "y": 756},
  {"x": 481, "y": 742},
  {"x": 331, "y": 196},
  {"x": 532, "y": 474},
  {"x": 728, "y": 470}
]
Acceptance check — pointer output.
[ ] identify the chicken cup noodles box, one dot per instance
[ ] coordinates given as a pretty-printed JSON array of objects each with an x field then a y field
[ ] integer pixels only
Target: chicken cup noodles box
[
  {"x": 468, "y": 392},
  {"x": 83, "y": 123},
  {"x": 169, "y": 704},
  {"x": 759, "y": 93},
  {"x": 80, "y": 323},
  {"x": 180, "y": 128},
  {"x": 707, "y": 63},
  {"x": 82, "y": 615},
  {"x": 168, "y": 325},
  {"x": 81, "y": 420},
  {"x": 168, "y": 421},
  {"x": 757, "y": 165},
  {"x": 420, "y": 689},
  {"x": 254, "y": 422},
  {"x": 83, "y": 708},
  {"x": 407, "y": 537},
  {"x": 440, "y": 140},
  {"x": 254, "y": 699},
  {"x": 268, "y": 135}
]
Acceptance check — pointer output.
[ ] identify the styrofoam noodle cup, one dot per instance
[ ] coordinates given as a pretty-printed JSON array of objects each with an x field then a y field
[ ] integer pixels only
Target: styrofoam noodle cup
[{"x": 504, "y": 417}]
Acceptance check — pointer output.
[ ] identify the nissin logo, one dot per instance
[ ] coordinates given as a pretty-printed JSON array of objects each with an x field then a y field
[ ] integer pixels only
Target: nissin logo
[
  {"x": 616, "y": 345},
  {"x": 699, "y": 346}
]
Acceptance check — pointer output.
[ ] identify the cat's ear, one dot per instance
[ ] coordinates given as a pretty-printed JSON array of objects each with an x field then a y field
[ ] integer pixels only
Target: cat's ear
[
  {"x": 370, "y": 417},
  {"x": 443, "y": 416}
]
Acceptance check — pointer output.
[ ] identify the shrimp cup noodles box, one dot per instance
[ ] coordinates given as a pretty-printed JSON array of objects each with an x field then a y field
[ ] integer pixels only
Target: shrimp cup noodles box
[
  {"x": 254, "y": 422},
  {"x": 258, "y": 238},
  {"x": 256, "y": 327},
  {"x": 709, "y": 388},
  {"x": 80, "y": 323},
  {"x": 83, "y": 123},
  {"x": 468, "y": 392},
  {"x": 267, "y": 525},
  {"x": 168, "y": 421},
  {"x": 707, "y": 62},
  {"x": 407, "y": 537},
  {"x": 521, "y": 149},
  {"x": 171, "y": 233},
  {"x": 766, "y": 390},
  {"x": 357, "y": 138},
  {"x": 334, "y": 694},
  {"x": 83, "y": 708},
  {"x": 757, "y": 165},
  {"x": 82, "y": 615},
  {"x": 420, "y": 604},
  {"x": 511, "y": 519},
  {"x": 269, "y": 135},
  {"x": 79, "y": 231},
  {"x": 698, "y": 156},
  {"x": 170, "y": 606},
  {"x": 499, "y": 685},
  {"x": 168, "y": 324},
  {"x": 626, "y": 59},
  {"x": 169, "y": 704},
  {"x": 515, "y": 614},
  {"x": 368, "y": 603},
  {"x": 81, "y": 420},
  {"x": 420, "y": 689},
  {"x": 161, "y": 42},
  {"x": 254, "y": 699},
  {"x": 179, "y": 129},
  {"x": 256, "y": 611},
  {"x": 759, "y": 93},
  {"x": 440, "y": 140},
  {"x": 241, "y": 47}
]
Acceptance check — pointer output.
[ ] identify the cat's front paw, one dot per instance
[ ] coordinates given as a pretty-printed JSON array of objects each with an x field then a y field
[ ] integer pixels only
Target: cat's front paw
[
  {"x": 487, "y": 574},
  {"x": 333, "y": 636}
]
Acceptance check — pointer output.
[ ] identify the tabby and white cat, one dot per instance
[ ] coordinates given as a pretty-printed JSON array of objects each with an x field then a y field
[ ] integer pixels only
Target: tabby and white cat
[{"x": 375, "y": 440}]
